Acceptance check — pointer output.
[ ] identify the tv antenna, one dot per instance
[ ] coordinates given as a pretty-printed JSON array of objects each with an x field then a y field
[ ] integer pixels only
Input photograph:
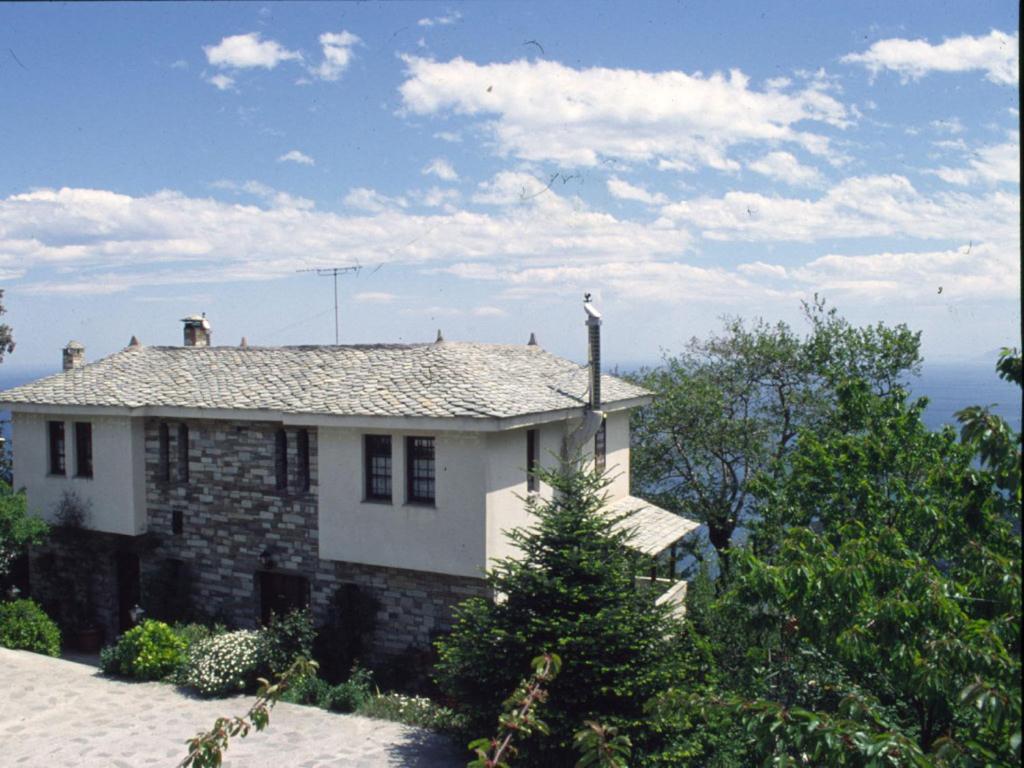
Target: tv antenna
[{"x": 333, "y": 272}]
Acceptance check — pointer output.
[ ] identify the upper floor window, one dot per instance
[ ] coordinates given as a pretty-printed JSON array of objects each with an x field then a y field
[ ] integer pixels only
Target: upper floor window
[
  {"x": 164, "y": 458},
  {"x": 302, "y": 449},
  {"x": 281, "y": 459},
  {"x": 377, "y": 450},
  {"x": 532, "y": 438},
  {"x": 83, "y": 449},
  {"x": 601, "y": 448},
  {"x": 419, "y": 469},
  {"x": 183, "y": 451},
  {"x": 56, "y": 434}
]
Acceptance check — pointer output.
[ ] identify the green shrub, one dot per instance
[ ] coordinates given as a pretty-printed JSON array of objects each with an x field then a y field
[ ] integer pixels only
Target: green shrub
[
  {"x": 194, "y": 632},
  {"x": 418, "y": 711},
  {"x": 25, "y": 626},
  {"x": 311, "y": 691},
  {"x": 288, "y": 637},
  {"x": 225, "y": 664},
  {"x": 351, "y": 694},
  {"x": 150, "y": 651}
]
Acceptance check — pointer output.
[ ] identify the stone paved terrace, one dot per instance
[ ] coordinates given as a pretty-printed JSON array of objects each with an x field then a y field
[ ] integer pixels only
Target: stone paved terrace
[{"x": 60, "y": 713}]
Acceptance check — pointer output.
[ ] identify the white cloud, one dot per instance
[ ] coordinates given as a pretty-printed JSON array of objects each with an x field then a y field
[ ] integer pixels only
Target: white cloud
[
  {"x": 435, "y": 197},
  {"x": 782, "y": 166},
  {"x": 116, "y": 242},
  {"x": 375, "y": 297},
  {"x": 980, "y": 270},
  {"x": 441, "y": 168},
  {"x": 179, "y": 64},
  {"x": 373, "y": 201},
  {"x": 337, "y": 52},
  {"x": 952, "y": 125},
  {"x": 295, "y": 156},
  {"x": 435, "y": 21},
  {"x": 545, "y": 111},
  {"x": 221, "y": 81},
  {"x": 487, "y": 311},
  {"x": 760, "y": 269},
  {"x": 995, "y": 54},
  {"x": 625, "y": 191},
  {"x": 857, "y": 207},
  {"x": 248, "y": 50},
  {"x": 993, "y": 164},
  {"x": 268, "y": 194},
  {"x": 452, "y": 137}
]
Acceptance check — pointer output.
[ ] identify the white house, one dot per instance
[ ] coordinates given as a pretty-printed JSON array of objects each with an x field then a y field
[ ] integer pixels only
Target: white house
[{"x": 250, "y": 479}]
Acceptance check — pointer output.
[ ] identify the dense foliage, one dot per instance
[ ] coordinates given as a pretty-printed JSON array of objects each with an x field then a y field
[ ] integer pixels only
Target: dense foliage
[
  {"x": 879, "y": 605},
  {"x": 150, "y": 651},
  {"x": 18, "y": 529},
  {"x": 287, "y": 638},
  {"x": 25, "y": 626},
  {"x": 730, "y": 407},
  {"x": 572, "y": 592},
  {"x": 347, "y": 696}
]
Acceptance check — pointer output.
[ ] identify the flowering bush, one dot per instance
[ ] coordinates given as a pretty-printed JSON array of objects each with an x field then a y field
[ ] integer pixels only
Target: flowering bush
[
  {"x": 411, "y": 710},
  {"x": 225, "y": 664},
  {"x": 150, "y": 651},
  {"x": 24, "y": 625}
]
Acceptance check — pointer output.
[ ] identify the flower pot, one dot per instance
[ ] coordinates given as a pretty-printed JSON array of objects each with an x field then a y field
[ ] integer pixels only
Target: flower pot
[{"x": 88, "y": 640}]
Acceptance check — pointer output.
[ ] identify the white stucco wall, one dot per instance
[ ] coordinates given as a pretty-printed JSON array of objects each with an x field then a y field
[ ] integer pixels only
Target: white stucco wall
[
  {"x": 115, "y": 492},
  {"x": 617, "y": 453},
  {"x": 448, "y": 537}
]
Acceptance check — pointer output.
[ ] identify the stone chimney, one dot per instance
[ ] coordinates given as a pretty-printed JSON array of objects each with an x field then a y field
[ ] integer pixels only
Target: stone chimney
[
  {"x": 74, "y": 355},
  {"x": 197, "y": 331},
  {"x": 593, "y": 352}
]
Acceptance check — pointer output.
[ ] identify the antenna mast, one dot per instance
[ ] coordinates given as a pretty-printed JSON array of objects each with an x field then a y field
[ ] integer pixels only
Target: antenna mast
[{"x": 333, "y": 272}]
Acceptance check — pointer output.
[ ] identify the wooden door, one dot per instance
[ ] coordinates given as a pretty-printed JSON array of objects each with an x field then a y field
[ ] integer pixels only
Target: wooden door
[{"x": 281, "y": 593}]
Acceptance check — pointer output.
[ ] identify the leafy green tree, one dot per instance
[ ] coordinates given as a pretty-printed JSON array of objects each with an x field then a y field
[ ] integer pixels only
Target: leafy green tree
[
  {"x": 6, "y": 334},
  {"x": 880, "y": 608},
  {"x": 572, "y": 592},
  {"x": 730, "y": 407},
  {"x": 18, "y": 529}
]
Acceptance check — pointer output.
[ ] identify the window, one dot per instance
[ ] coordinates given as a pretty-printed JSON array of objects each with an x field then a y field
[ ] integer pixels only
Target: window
[
  {"x": 600, "y": 448},
  {"x": 281, "y": 459},
  {"x": 419, "y": 469},
  {"x": 377, "y": 449},
  {"x": 56, "y": 447},
  {"x": 83, "y": 449},
  {"x": 303, "y": 451},
  {"x": 177, "y": 522},
  {"x": 182, "y": 453},
  {"x": 532, "y": 483},
  {"x": 164, "y": 466}
]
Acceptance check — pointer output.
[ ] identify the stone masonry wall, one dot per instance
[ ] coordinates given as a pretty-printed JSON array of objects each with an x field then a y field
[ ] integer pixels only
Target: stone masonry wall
[{"x": 231, "y": 512}]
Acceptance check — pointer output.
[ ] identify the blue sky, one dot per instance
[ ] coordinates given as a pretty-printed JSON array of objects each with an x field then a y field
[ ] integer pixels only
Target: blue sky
[{"x": 487, "y": 163}]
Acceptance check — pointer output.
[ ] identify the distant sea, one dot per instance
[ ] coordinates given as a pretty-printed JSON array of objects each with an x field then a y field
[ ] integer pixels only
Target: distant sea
[{"x": 948, "y": 387}]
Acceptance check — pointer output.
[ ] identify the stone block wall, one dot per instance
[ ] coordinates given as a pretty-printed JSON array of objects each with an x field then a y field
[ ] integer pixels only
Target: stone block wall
[{"x": 231, "y": 511}]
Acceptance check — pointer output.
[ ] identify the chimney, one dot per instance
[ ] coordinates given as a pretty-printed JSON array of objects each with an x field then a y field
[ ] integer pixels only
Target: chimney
[
  {"x": 533, "y": 340},
  {"x": 74, "y": 355},
  {"x": 593, "y": 352},
  {"x": 197, "y": 331}
]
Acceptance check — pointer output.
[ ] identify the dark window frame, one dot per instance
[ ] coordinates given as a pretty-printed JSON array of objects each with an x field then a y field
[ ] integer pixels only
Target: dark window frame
[
  {"x": 420, "y": 470},
  {"x": 378, "y": 468},
  {"x": 302, "y": 459},
  {"x": 183, "y": 453},
  {"x": 281, "y": 460},
  {"x": 163, "y": 469},
  {"x": 83, "y": 449},
  {"x": 601, "y": 448},
  {"x": 58, "y": 447},
  {"x": 532, "y": 463}
]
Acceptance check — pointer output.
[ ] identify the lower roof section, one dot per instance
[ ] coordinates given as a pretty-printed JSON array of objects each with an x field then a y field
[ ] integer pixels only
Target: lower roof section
[{"x": 654, "y": 529}]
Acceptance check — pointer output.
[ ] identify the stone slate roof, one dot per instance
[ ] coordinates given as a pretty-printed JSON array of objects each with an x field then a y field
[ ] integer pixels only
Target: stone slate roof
[
  {"x": 654, "y": 529},
  {"x": 444, "y": 379}
]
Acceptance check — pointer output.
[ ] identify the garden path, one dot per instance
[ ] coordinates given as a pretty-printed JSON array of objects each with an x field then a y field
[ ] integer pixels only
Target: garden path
[{"x": 59, "y": 713}]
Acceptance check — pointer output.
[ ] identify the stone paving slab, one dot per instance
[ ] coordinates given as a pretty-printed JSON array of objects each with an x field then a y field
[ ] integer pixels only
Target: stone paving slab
[{"x": 59, "y": 713}]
